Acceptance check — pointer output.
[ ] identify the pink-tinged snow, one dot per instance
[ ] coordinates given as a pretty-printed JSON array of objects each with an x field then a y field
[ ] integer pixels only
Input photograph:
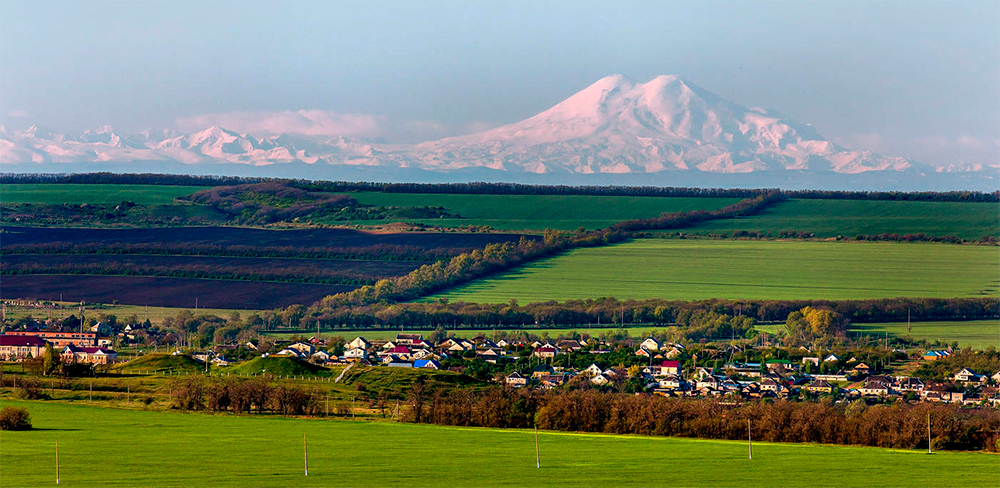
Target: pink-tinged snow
[{"x": 612, "y": 126}]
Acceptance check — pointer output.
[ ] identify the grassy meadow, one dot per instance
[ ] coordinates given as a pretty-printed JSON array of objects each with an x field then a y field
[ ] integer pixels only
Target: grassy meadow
[
  {"x": 191, "y": 449},
  {"x": 539, "y": 212},
  {"x": 701, "y": 269},
  {"x": 76, "y": 194},
  {"x": 979, "y": 334},
  {"x": 848, "y": 218},
  {"x": 156, "y": 315}
]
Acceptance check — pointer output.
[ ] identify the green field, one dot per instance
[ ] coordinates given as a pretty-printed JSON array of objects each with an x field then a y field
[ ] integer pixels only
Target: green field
[
  {"x": 154, "y": 314},
  {"x": 41, "y": 193},
  {"x": 980, "y": 334},
  {"x": 167, "y": 449},
  {"x": 596, "y": 330},
  {"x": 848, "y": 218},
  {"x": 539, "y": 212},
  {"x": 700, "y": 269}
]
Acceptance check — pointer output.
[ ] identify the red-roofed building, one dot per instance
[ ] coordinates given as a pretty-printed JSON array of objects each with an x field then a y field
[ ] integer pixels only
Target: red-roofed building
[
  {"x": 671, "y": 367},
  {"x": 21, "y": 347},
  {"x": 60, "y": 339},
  {"x": 90, "y": 355}
]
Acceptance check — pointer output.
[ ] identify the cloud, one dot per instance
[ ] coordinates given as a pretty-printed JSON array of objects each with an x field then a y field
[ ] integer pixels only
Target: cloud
[
  {"x": 17, "y": 113},
  {"x": 318, "y": 123}
]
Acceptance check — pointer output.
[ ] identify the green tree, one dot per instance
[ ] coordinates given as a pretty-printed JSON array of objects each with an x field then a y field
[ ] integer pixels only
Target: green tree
[{"x": 50, "y": 360}]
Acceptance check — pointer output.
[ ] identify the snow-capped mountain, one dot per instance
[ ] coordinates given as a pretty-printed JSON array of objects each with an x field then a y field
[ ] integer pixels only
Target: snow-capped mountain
[{"x": 615, "y": 125}]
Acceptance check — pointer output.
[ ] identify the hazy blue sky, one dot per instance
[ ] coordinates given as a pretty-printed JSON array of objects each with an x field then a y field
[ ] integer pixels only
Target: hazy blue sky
[{"x": 919, "y": 79}]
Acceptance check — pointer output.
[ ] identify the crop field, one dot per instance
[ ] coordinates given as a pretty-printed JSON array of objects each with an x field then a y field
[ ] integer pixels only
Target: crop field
[
  {"x": 166, "y": 292},
  {"x": 539, "y": 212},
  {"x": 122, "y": 311},
  {"x": 238, "y": 236},
  {"x": 184, "y": 450},
  {"x": 700, "y": 269},
  {"x": 40, "y": 193},
  {"x": 979, "y": 334},
  {"x": 848, "y": 218},
  {"x": 290, "y": 268}
]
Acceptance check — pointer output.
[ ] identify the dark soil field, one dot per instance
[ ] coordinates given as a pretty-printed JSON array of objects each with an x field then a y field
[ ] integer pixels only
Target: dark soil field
[
  {"x": 294, "y": 269},
  {"x": 237, "y": 236},
  {"x": 165, "y": 292}
]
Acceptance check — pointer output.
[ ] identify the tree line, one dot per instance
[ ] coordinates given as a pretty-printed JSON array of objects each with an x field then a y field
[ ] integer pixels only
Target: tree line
[
  {"x": 898, "y": 425},
  {"x": 487, "y": 188},
  {"x": 613, "y": 312}
]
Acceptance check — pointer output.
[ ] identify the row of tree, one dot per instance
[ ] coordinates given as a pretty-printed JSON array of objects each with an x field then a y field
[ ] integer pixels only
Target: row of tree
[
  {"x": 485, "y": 188},
  {"x": 253, "y": 395},
  {"x": 899, "y": 425},
  {"x": 614, "y": 312}
]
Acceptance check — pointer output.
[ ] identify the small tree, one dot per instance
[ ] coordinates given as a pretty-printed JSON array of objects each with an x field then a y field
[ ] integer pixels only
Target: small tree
[
  {"x": 51, "y": 361},
  {"x": 14, "y": 418}
]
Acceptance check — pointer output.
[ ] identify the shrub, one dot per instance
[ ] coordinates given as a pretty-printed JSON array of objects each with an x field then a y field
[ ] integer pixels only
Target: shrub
[{"x": 14, "y": 418}]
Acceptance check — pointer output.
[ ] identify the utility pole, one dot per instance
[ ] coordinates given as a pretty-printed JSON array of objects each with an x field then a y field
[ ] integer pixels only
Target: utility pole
[
  {"x": 57, "y": 462},
  {"x": 749, "y": 439},
  {"x": 928, "y": 433},
  {"x": 305, "y": 452},
  {"x": 538, "y": 460}
]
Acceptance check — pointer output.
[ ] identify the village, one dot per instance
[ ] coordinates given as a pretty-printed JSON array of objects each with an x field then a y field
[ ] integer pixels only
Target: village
[{"x": 649, "y": 365}]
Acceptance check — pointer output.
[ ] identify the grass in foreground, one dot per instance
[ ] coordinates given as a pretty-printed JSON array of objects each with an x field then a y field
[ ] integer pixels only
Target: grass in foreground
[
  {"x": 539, "y": 212},
  {"x": 848, "y": 218},
  {"x": 699, "y": 269},
  {"x": 43, "y": 193},
  {"x": 177, "y": 449}
]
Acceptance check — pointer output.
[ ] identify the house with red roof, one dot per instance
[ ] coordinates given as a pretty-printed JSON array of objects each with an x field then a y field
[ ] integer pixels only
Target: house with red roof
[{"x": 21, "y": 347}]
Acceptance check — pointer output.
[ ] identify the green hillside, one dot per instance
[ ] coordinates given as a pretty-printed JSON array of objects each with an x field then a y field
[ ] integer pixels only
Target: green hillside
[
  {"x": 160, "y": 362},
  {"x": 279, "y": 365}
]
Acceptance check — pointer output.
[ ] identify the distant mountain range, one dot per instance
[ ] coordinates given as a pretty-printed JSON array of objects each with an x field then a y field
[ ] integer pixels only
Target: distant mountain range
[{"x": 667, "y": 127}]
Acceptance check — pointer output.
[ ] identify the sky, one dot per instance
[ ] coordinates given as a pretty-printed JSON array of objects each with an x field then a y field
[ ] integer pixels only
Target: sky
[{"x": 913, "y": 79}]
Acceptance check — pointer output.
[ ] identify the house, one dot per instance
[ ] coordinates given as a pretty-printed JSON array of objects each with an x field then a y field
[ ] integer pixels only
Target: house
[
  {"x": 516, "y": 380},
  {"x": 320, "y": 357},
  {"x": 552, "y": 380},
  {"x": 592, "y": 370},
  {"x": 874, "y": 388},
  {"x": 503, "y": 344},
  {"x": 304, "y": 348},
  {"x": 910, "y": 384},
  {"x": 489, "y": 355},
  {"x": 569, "y": 345},
  {"x": 409, "y": 339},
  {"x": 643, "y": 352},
  {"x": 672, "y": 382},
  {"x": 356, "y": 354},
  {"x": 395, "y": 362},
  {"x": 424, "y": 354},
  {"x": 772, "y": 386},
  {"x": 88, "y": 355},
  {"x": 101, "y": 329},
  {"x": 458, "y": 347},
  {"x": 426, "y": 364},
  {"x": 861, "y": 368},
  {"x": 671, "y": 367},
  {"x": 935, "y": 355},
  {"x": 541, "y": 370},
  {"x": 252, "y": 345},
  {"x": 702, "y": 372},
  {"x": 220, "y": 361},
  {"x": 289, "y": 352},
  {"x": 60, "y": 339},
  {"x": 19, "y": 348},
  {"x": 967, "y": 375},
  {"x": 358, "y": 343},
  {"x": 779, "y": 365},
  {"x": 996, "y": 377},
  {"x": 650, "y": 344},
  {"x": 545, "y": 351},
  {"x": 388, "y": 345},
  {"x": 819, "y": 386},
  {"x": 811, "y": 360},
  {"x": 833, "y": 358},
  {"x": 674, "y": 351},
  {"x": 600, "y": 379},
  {"x": 708, "y": 383}
]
